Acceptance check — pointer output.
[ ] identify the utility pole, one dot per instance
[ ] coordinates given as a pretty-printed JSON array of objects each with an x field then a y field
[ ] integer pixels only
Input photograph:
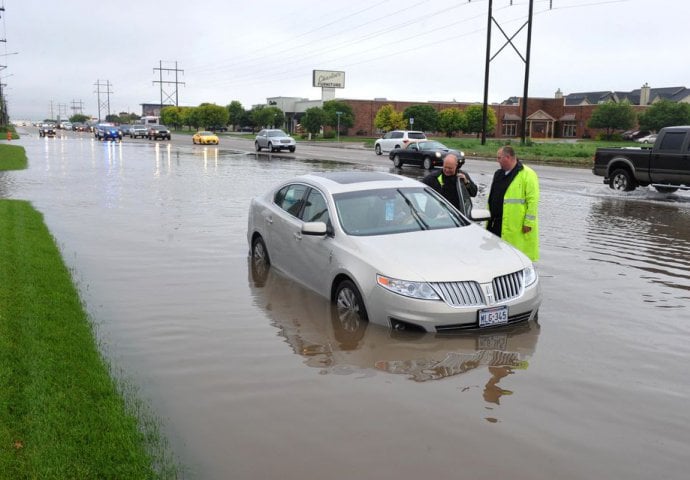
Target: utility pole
[
  {"x": 77, "y": 107},
  {"x": 106, "y": 104},
  {"x": 168, "y": 96},
  {"x": 525, "y": 59}
]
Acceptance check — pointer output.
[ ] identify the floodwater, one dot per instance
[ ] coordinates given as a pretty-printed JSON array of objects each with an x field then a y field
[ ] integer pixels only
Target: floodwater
[{"x": 255, "y": 378}]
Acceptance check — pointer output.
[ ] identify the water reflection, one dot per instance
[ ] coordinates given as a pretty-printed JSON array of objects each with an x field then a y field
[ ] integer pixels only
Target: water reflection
[
  {"x": 651, "y": 237},
  {"x": 312, "y": 327}
]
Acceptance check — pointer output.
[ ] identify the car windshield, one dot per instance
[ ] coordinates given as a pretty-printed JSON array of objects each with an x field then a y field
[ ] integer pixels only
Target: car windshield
[
  {"x": 394, "y": 210},
  {"x": 277, "y": 133},
  {"x": 432, "y": 146}
]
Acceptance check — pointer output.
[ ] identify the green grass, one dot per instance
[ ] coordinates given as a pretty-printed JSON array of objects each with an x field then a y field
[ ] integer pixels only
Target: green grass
[
  {"x": 12, "y": 157},
  {"x": 61, "y": 413}
]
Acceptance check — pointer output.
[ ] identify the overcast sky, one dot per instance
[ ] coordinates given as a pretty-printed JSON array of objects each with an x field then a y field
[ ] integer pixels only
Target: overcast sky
[{"x": 415, "y": 50}]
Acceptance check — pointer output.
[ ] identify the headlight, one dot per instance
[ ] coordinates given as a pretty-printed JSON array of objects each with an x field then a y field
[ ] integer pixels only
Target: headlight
[
  {"x": 529, "y": 275},
  {"x": 438, "y": 154},
  {"x": 406, "y": 288}
]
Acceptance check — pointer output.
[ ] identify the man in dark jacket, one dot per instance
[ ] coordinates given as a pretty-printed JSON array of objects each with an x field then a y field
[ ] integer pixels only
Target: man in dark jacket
[{"x": 455, "y": 185}]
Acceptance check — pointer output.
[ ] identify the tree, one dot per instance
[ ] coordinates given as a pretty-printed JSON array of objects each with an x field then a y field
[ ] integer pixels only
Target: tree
[
  {"x": 235, "y": 113},
  {"x": 451, "y": 120},
  {"x": 263, "y": 116},
  {"x": 313, "y": 119},
  {"x": 211, "y": 115},
  {"x": 388, "y": 119},
  {"x": 473, "y": 119},
  {"x": 347, "y": 118},
  {"x": 425, "y": 117},
  {"x": 78, "y": 118},
  {"x": 665, "y": 114},
  {"x": 612, "y": 116},
  {"x": 172, "y": 116},
  {"x": 112, "y": 118}
]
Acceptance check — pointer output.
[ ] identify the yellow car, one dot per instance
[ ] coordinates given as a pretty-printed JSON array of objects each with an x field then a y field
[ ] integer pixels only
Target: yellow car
[{"x": 205, "y": 138}]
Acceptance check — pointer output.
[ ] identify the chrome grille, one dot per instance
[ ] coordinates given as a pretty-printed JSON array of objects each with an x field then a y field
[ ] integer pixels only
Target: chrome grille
[
  {"x": 507, "y": 287},
  {"x": 459, "y": 294}
]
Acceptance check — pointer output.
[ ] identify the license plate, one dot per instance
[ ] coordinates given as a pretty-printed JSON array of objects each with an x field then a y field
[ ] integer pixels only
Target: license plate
[
  {"x": 492, "y": 342},
  {"x": 493, "y": 316}
]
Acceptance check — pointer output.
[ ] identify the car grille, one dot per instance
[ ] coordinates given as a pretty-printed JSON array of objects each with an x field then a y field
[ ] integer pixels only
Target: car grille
[
  {"x": 468, "y": 294},
  {"x": 285, "y": 141}
]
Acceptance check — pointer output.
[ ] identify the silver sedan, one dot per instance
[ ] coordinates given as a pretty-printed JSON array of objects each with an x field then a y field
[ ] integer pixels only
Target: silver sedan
[{"x": 390, "y": 250}]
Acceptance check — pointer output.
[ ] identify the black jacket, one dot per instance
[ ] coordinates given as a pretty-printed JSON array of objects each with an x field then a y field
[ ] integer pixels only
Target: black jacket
[{"x": 456, "y": 192}]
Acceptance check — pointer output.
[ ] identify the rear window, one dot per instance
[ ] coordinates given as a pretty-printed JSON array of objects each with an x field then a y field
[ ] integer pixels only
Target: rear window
[
  {"x": 672, "y": 141},
  {"x": 416, "y": 135}
]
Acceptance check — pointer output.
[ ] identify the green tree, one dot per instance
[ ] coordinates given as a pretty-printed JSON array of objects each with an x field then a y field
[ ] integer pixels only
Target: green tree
[
  {"x": 264, "y": 116},
  {"x": 473, "y": 119},
  {"x": 211, "y": 115},
  {"x": 425, "y": 117},
  {"x": 665, "y": 114},
  {"x": 313, "y": 119},
  {"x": 172, "y": 116},
  {"x": 112, "y": 118},
  {"x": 78, "y": 118},
  {"x": 388, "y": 119},
  {"x": 612, "y": 116},
  {"x": 347, "y": 117},
  {"x": 235, "y": 113},
  {"x": 451, "y": 120},
  {"x": 190, "y": 117}
]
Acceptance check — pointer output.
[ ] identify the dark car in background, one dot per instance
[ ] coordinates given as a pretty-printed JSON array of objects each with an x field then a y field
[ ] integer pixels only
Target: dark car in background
[
  {"x": 634, "y": 134},
  {"x": 427, "y": 154},
  {"x": 158, "y": 132},
  {"x": 107, "y": 132}
]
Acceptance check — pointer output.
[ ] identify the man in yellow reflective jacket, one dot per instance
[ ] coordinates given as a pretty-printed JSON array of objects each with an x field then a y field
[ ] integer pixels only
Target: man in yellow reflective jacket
[{"x": 514, "y": 203}]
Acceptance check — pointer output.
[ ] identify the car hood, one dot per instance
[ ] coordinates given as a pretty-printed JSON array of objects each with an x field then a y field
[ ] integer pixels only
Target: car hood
[{"x": 446, "y": 255}]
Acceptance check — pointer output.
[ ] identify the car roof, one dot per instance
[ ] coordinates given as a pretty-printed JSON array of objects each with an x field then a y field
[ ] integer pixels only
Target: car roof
[{"x": 338, "y": 182}]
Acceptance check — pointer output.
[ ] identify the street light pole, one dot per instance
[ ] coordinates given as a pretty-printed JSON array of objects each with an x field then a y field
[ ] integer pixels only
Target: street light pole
[{"x": 338, "y": 114}]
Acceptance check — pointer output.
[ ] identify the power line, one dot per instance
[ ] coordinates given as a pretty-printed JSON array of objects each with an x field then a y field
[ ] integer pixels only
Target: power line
[{"x": 161, "y": 81}]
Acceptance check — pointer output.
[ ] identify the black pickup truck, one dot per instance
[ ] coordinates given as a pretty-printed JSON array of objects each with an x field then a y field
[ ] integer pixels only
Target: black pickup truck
[{"x": 665, "y": 166}]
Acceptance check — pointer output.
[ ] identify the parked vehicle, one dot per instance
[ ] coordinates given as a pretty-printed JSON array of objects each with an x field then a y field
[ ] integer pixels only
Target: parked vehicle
[
  {"x": 634, "y": 134},
  {"x": 647, "y": 139},
  {"x": 665, "y": 166},
  {"x": 427, "y": 154},
  {"x": 372, "y": 242},
  {"x": 217, "y": 128},
  {"x": 156, "y": 132},
  {"x": 138, "y": 130},
  {"x": 205, "y": 138},
  {"x": 397, "y": 139},
  {"x": 104, "y": 131},
  {"x": 274, "y": 139}
]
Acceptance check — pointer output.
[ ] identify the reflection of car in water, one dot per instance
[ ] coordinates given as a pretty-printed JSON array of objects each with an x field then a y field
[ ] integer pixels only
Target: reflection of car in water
[{"x": 314, "y": 330}]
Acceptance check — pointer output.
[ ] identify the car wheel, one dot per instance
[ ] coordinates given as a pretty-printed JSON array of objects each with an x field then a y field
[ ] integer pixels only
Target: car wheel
[
  {"x": 427, "y": 163},
  {"x": 377, "y": 149},
  {"x": 292, "y": 149},
  {"x": 349, "y": 302},
  {"x": 397, "y": 163},
  {"x": 260, "y": 258},
  {"x": 270, "y": 147},
  {"x": 257, "y": 146},
  {"x": 622, "y": 180}
]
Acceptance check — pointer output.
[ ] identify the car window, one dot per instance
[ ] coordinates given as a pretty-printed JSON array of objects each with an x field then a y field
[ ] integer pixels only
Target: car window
[
  {"x": 290, "y": 198},
  {"x": 391, "y": 211},
  {"x": 413, "y": 146},
  {"x": 396, "y": 134},
  {"x": 277, "y": 133},
  {"x": 672, "y": 141},
  {"x": 387, "y": 135},
  {"x": 416, "y": 135},
  {"x": 315, "y": 208}
]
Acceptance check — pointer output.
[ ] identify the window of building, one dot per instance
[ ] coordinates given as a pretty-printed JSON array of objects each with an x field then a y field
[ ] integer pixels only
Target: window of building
[
  {"x": 510, "y": 128},
  {"x": 569, "y": 129}
]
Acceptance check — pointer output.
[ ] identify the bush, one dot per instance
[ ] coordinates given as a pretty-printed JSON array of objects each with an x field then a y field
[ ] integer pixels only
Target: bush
[{"x": 329, "y": 134}]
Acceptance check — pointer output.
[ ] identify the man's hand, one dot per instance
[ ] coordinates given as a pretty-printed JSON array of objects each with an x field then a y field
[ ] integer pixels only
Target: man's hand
[{"x": 526, "y": 229}]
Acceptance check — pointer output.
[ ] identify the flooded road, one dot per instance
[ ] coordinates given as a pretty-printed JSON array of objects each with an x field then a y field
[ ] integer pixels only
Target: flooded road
[{"x": 255, "y": 378}]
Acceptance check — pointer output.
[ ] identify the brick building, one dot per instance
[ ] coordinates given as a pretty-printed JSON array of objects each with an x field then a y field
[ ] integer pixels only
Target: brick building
[{"x": 563, "y": 116}]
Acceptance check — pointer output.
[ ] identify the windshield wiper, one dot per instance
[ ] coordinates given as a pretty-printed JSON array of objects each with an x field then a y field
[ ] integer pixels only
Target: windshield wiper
[{"x": 415, "y": 213}]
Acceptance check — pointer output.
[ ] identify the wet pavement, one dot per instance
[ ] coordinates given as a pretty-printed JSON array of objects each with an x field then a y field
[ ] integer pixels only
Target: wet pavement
[{"x": 254, "y": 377}]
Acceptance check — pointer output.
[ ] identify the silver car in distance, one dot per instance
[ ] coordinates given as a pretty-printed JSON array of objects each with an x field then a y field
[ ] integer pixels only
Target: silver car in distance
[{"x": 390, "y": 250}]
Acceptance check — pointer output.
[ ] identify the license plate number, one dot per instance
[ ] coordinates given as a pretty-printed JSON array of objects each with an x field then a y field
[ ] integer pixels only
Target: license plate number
[{"x": 493, "y": 316}]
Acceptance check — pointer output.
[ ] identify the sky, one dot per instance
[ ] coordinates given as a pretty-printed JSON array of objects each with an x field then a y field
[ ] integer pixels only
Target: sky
[{"x": 57, "y": 53}]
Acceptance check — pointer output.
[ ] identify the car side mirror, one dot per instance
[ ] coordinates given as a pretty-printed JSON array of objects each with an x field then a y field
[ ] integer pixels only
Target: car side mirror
[
  {"x": 314, "y": 228},
  {"x": 480, "y": 215}
]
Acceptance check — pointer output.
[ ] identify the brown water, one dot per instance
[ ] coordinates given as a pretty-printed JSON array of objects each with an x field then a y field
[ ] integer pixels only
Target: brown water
[{"x": 255, "y": 378}]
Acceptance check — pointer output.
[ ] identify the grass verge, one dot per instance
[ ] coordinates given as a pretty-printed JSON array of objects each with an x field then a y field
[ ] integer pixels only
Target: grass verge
[
  {"x": 12, "y": 157},
  {"x": 61, "y": 414}
]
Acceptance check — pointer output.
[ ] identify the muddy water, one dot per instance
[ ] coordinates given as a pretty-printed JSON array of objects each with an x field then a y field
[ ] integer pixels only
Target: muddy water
[{"x": 255, "y": 378}]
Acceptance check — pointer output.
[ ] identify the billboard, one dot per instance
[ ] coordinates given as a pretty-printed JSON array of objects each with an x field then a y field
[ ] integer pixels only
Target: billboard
[{"x": 329, "y": 79}]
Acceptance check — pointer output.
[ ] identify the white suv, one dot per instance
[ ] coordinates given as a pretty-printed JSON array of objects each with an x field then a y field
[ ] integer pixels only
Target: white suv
[{"x": 397, "y": 139}]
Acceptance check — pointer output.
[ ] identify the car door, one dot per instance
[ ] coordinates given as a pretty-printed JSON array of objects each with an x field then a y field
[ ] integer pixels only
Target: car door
[
  {"x": 285, "y": 229},
  {"x": 411, "y": 153},
  {"x": 314, "y": 252},
  {"x": 262, "y": 139}
]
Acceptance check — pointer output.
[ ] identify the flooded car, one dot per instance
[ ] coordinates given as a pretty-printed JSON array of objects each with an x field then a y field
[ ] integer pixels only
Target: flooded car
[{"x": 376, "y": 244}]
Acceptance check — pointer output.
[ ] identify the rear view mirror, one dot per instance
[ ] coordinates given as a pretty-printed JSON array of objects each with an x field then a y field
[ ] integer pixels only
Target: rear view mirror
[
  {"x": 314, "y": 228},
  {"x": 480, "y": 215}
]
